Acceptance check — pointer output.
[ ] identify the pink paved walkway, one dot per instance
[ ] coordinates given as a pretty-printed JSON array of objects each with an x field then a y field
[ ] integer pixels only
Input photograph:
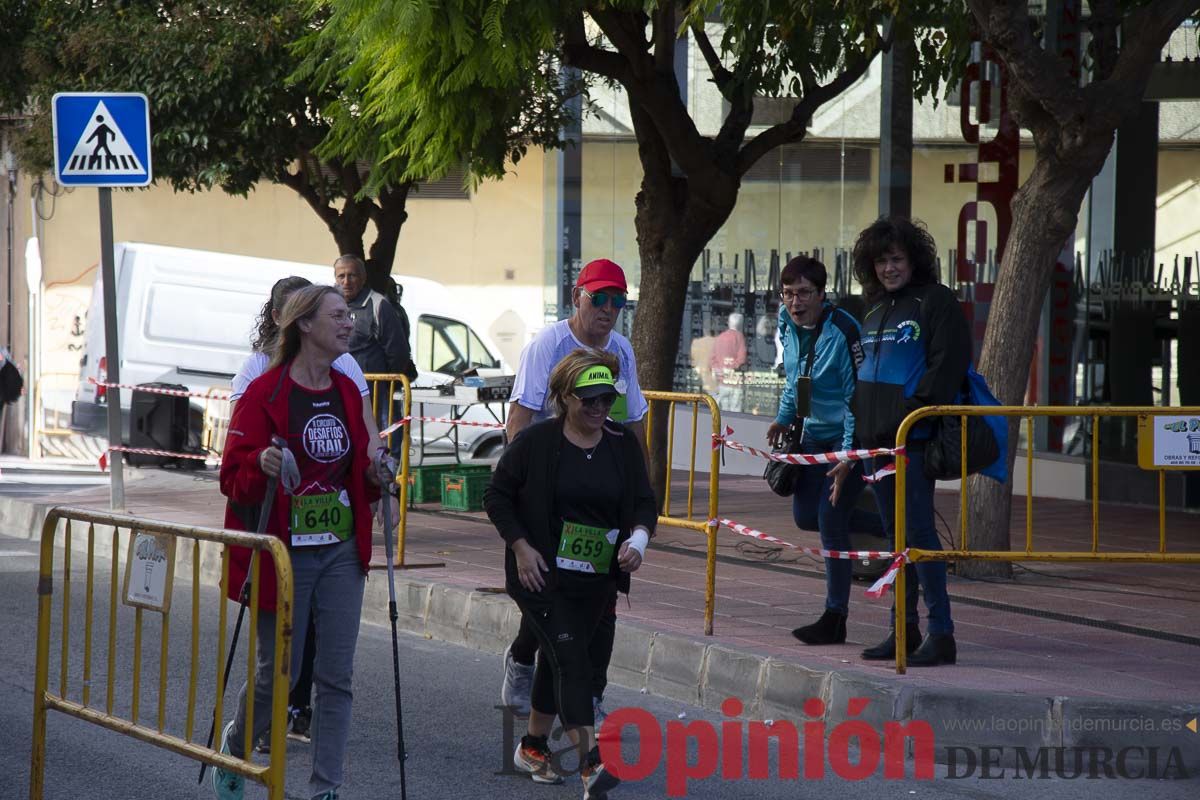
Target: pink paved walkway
[{"x": 762, "y": 593}]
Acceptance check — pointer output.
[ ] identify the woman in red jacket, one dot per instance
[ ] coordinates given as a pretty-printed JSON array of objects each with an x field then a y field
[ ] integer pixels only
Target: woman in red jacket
[{"x": 325, "y": 522}]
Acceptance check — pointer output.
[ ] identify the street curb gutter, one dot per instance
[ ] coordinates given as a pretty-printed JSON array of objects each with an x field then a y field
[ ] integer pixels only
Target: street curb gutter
[{"x": 692, "y": 670}]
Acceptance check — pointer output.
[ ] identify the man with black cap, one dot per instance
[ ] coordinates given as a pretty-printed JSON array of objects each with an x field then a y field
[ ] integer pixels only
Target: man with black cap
[{"x": 599, "y": 295}]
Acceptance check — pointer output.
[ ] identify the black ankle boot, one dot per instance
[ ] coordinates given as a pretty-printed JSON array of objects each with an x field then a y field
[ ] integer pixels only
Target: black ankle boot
[
  {"x": 829, "y": 629},
  {"x": 886, "y": 650},
  {"x": 938, "y": 648}
]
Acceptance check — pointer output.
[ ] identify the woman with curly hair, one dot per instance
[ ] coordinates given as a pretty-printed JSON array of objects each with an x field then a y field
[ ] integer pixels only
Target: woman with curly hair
[{"x": 917, "y": 348}]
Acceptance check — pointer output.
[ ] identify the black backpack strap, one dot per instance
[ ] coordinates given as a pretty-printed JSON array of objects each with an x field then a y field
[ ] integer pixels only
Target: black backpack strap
[{"x": 812, "y": 345}]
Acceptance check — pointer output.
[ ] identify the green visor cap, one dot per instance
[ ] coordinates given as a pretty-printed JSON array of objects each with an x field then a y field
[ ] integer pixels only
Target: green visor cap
[{"x": 595, "y": 382}]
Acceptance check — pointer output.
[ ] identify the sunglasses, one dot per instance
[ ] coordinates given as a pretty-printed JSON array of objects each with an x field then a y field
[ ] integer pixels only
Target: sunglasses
[
  {"x": 600, "y": 298},
  {"x": 604, "y": 401}
]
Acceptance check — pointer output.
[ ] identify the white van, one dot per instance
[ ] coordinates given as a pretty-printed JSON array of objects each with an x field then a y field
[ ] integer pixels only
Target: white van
[{"x": 187, "y": 316}]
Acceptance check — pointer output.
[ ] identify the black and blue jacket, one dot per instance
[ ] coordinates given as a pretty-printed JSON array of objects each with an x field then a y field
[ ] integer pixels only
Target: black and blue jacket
[{"x": 916, "y": 348}]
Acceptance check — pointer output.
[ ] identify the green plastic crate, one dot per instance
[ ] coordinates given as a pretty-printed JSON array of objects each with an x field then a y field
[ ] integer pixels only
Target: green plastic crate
[
  {"x": 463, "y": 491},
  {"x": 425, "y": 481}
]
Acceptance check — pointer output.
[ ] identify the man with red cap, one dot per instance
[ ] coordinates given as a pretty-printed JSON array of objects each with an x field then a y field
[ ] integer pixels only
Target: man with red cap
[{"x": 599, "y": 295}]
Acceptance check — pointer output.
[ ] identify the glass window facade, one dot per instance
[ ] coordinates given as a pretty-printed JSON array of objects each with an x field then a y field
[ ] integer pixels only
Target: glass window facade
[{"x": 967, "y": 161}]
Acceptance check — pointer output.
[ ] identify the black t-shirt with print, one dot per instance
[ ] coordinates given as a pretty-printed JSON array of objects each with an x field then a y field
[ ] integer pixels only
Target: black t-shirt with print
[
  {"x": 588, "y": 492},
  {"x": 319, "y": 438}
]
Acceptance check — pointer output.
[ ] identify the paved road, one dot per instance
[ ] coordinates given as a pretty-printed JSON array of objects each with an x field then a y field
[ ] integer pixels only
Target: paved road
[{"x": 453, "y": 732}]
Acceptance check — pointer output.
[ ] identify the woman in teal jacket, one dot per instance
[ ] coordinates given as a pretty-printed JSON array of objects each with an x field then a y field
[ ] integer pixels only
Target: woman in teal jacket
[{"x": 821, "y": 353}]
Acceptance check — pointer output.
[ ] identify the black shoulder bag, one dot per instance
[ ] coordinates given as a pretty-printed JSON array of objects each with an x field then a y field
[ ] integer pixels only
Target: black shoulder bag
[
  {"x": 943, "y": 450},
  {"x": 780, "y": 476}
]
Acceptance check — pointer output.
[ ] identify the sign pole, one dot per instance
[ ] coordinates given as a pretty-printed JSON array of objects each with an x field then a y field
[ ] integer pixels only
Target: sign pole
[
  {"x": 102, "y": 139},
  {"x": 109, "y": 281}
]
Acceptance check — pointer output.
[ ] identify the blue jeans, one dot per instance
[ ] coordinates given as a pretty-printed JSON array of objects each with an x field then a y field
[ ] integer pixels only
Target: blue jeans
[
  {"x": 919, "y": 532},
  {"x": 328, "y": 588},
  {"x": 812, "y": 511}
]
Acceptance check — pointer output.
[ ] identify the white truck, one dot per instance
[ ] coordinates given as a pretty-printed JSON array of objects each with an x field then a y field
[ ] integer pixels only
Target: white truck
[{"x": 186, "y": 317}]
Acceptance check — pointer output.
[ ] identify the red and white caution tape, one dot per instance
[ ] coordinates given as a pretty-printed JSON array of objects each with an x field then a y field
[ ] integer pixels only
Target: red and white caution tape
[
  {"x": 880, "y": 474},
  {"x": 209, "y": 395},
  {"x": 395, "y": 426},
  {"x": 877, "y": 590},
  {"x": 145, "y": 451},
  {"x": 745, "y": 530},
  {"x": 803, "y": 459},
  {"x": 810, "y": 459}
]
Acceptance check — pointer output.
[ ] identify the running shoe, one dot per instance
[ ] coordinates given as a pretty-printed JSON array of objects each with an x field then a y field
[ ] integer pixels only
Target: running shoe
[
  {"x": 597, "y": 781},
  {"x": 227, "y": 785},
  {"x": 518, "y": 683},
  {"x": 300, "y": 729},
  {"x": 533, "y": 758}
]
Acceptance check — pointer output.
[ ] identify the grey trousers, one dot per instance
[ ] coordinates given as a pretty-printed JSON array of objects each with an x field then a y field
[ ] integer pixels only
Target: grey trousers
[{"x": 329, "y": 584}]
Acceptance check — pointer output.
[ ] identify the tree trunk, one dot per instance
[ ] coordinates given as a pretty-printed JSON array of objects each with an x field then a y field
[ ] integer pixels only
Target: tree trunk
[
  {"x": 350, "y": 226},
  {"x": 666, "y": 264},
  {"x": 671, "y": 234},
  {"x": 1045, "y": 212},
  {"x": 390, "y": 214}
]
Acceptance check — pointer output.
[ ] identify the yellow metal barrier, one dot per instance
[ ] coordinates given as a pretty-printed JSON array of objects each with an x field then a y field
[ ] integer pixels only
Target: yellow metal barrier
[
  {"x": 377, "y": 382},
  {"x": 1028, "y": 554},
  {"x": 708, "y": 525},
  {"x": 160, "y": 551}
]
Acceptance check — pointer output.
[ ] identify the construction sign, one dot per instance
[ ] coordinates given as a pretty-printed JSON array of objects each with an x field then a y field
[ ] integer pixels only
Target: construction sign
[
  {"x": 102, "y": 139},
  {"x": 1169, "y": 442}
]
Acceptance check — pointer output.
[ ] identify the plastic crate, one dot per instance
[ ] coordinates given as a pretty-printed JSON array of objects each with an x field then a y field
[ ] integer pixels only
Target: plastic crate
[
  {"x": 463, "y": 491},
  {"x": 425, "y": 481}
]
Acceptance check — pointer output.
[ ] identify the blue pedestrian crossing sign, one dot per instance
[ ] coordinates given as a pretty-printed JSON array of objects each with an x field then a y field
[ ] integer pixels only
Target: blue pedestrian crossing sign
[{"x": 102, "y": 139}]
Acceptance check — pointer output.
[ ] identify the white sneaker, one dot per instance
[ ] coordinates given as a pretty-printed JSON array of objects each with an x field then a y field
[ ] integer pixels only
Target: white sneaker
[
  {"x": 534, "y": 759},
  {"x": 518, "y": 683},
  {"x": 227, "y": 785}
]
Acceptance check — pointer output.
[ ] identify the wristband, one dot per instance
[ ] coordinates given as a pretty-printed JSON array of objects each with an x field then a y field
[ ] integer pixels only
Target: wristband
[{"x": 639, "y": 540}]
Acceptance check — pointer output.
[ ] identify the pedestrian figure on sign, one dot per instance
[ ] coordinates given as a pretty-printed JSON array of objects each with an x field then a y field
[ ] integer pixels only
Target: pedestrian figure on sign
[{"x": 101, "y": 135}]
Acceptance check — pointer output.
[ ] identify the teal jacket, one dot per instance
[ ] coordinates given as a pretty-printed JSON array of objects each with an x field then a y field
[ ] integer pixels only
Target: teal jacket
[{"x": 838, "y": 355}]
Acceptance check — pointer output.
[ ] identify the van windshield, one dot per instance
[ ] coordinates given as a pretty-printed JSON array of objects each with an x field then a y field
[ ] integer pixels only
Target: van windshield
[{"x": 450, "y": 347}]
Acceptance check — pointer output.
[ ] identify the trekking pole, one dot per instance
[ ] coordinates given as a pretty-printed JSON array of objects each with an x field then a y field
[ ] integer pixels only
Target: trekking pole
[
  {"x": 264, "y": 515},
  {"x": 387, "y": 480}
]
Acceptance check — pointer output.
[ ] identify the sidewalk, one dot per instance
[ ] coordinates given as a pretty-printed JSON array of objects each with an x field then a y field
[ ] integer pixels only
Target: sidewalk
[{"x": 1062, "y": 655}]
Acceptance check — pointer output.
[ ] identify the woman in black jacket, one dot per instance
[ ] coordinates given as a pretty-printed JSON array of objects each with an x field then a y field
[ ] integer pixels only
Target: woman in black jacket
[
  {"x": 917, "y": 348},
  {"x": 572, "y": 499}
]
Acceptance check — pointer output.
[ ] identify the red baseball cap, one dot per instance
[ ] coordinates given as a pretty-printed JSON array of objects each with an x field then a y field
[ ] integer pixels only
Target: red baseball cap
[{"x": 601, "y": 274}]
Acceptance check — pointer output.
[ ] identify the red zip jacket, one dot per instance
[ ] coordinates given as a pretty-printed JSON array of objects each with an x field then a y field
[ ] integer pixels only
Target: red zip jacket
[{"x": 261, "y": 413}]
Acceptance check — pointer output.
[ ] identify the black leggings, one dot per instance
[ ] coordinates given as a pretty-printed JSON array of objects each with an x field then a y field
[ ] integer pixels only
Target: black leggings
[
  {"x": 524, "y": 648},
  {"x": 565, "y": 625}
]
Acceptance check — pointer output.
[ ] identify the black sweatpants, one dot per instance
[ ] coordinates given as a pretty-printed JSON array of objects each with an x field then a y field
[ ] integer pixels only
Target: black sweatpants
[
  {"x": 564, "y": 625},
  {"x": 525, "y": 645}
]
